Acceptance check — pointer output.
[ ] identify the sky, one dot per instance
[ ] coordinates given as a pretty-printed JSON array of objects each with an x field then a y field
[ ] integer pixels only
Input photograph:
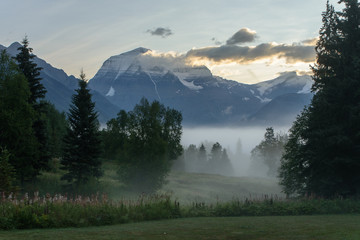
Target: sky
[{"x": 242, "y": 40}]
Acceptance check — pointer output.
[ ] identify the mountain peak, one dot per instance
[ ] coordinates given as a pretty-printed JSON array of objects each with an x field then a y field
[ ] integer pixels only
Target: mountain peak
[
  {"x": 15, "y": 45},
  {"x": 13, "y": 48},
  {"x": 137, "y": 51}
]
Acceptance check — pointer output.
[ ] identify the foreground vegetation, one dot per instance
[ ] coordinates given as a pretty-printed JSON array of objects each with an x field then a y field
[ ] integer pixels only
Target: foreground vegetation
[
  {"x": 78, "y": 211},
  {"x": 299, "y": 227},
  {"x": 185, "y": 195}
]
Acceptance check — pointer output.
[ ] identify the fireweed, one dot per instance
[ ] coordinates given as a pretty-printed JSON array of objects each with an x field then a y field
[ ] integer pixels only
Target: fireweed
[
  {"x": 79, "y": 211},
  {"x": 53, "y": 211}
]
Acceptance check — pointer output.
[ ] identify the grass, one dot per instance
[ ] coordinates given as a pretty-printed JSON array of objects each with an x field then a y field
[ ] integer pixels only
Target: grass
[
  {"x": 297, "y": 227},
  {"x": 210, "y": 188},
  {"x": 184, "y": 187}
]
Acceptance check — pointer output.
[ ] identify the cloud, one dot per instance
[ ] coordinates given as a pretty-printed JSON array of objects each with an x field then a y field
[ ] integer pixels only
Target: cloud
[
  {"x": 244, "y": 54},
  {"x": 160, "y": 31},
  {"x": 310, "y": 42},
  {"x": 244, "y": 35},
  {"x": 153, "y": 60},
  {"x": 217, "y": 42}
]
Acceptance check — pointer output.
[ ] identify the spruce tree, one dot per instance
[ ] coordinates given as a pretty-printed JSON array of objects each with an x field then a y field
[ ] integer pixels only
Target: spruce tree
[
  {"x": 82, "y": 145},
  {"x": 26, "y": 64},
  {"x": 16, "y": 120},
  {"x": 31, "y": 71},
  {"x": 202, "y": 157},
  {"x": 326, "y": 138}
]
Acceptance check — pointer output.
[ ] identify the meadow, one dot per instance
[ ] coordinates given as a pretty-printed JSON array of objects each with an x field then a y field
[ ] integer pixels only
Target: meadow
[{"x": 186, "y": 195}]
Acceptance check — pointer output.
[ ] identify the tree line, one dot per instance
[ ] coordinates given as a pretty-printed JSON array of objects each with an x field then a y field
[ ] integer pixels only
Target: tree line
[{"x": 197, "y": 159}]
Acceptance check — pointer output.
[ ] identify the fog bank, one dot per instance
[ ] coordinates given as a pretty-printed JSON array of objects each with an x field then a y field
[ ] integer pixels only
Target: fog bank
[{"x": 238, "y": 142}]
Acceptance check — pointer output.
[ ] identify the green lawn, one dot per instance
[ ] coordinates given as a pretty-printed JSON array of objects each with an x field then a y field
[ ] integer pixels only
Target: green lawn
[{"x": 325, "y": 227}]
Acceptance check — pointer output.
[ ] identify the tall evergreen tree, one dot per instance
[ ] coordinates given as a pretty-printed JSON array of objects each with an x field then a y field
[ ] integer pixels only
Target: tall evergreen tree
[
  {"x": 327, "y": 135},
  {"x": 16, "y": 120},
  {"x": 82, "y": 144},
  {"x": 31, "y": 72}
]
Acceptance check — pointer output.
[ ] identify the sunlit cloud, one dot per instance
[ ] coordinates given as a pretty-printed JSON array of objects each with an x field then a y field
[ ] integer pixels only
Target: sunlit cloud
[
  {"x": 310, "y": 42},
  {"x": 246, "y": 55},
  {"x": 244, "y": 35},
  {"x": 160, "y": 31}
]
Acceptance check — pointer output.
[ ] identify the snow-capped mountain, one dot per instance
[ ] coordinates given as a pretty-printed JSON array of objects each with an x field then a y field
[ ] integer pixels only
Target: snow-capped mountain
[
  {"x": 60, "y": 87},
  {"x": 201, "y": 97}
]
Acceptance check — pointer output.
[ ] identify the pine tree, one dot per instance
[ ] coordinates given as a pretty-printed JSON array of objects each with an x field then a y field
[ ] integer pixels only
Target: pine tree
[
  {"x": 31, "y": 72},
  {"x": 326, "y": 138},
  {"x": 82, "y": 144},
  {"x": 16, "y": 120}
]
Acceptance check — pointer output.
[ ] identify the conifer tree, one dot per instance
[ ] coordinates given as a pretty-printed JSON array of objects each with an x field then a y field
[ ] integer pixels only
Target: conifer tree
[
  {"x": 31, "y": 72},
  {"x": 202, "y": 156},
  {"x": 7, "y": 173},
  {"x": 326, "y": 138},
  {"x": 82, "y": 145},
  {"x": 16, "y": 120}
]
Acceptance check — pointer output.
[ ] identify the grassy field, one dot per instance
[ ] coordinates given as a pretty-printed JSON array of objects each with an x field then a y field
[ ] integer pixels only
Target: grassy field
[
  {"x": 185, "y": 187},
  {"x": 190, "y": 187},
  {"x": 300, "y": 227}
]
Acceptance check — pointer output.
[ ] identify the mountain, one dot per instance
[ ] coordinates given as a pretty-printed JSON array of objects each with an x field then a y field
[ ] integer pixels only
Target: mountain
[
  {"x": 60, "y": 87},
  {"x": 202, "y": 98}
]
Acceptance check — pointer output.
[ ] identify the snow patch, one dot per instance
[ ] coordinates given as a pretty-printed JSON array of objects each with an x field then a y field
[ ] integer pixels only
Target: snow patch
[
  {"x": 156, "y": 90},
  {"x": 190, "y": 85},
  {"x": 263, "y": 100},
  {"x": 306, "y": 88},
  {"x": 228, "y": 110},
  {"x": 111, "y": 92}
]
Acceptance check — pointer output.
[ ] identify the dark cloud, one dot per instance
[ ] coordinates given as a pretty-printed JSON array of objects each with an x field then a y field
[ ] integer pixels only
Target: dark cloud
[
  {"x": 217, "y": 42},
  {"x": 160, "y": 31},
  {"x": 244, "y": 35},
  {"x": 244, "y": 54}
]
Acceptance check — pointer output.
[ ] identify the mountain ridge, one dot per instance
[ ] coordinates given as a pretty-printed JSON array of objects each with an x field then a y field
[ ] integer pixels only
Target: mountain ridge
[
  {"x": 200, "y": 96},
  {"x": 203, "y": 99}
]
